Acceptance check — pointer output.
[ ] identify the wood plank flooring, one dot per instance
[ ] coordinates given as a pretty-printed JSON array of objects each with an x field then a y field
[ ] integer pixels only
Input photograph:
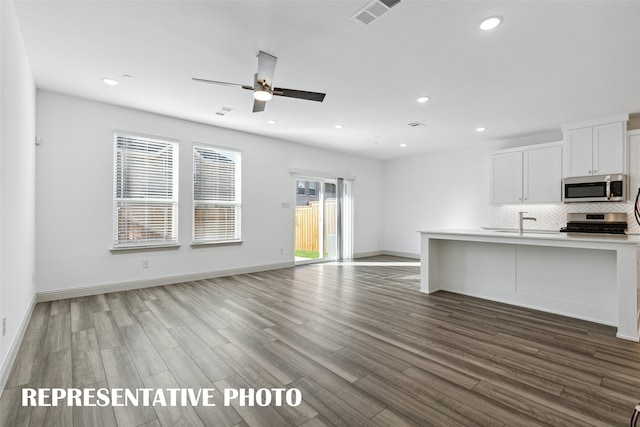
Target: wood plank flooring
[{"x": 359, "y": 341}]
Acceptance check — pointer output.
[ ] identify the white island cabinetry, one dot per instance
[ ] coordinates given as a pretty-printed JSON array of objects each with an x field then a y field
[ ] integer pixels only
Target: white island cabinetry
[{"x": 593, "y": 278}]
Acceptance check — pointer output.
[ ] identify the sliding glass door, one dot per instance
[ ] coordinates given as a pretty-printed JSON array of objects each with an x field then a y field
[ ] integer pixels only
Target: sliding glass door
[{"x": 316, "y": 220}]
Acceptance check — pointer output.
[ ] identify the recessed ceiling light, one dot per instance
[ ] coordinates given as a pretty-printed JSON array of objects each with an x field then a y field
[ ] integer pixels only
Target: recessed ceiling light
[
  {"x": 109, "y": 81},
  {"x": 403, "y": 145},
  {"x": 338, "y": 126},
  {"x": 490, "y": 23},
  {"x": 422, "y": 99},
  {"x": 480, "y": 129},
  {"x": 272, "y": 122}
]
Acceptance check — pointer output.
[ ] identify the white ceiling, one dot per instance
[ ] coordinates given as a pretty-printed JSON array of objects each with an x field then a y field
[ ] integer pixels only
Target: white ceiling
[{"x": 549, "y": 63}]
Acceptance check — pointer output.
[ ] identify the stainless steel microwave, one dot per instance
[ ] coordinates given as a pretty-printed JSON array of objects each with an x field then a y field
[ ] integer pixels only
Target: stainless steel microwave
[{"x": 597, "y": 188}]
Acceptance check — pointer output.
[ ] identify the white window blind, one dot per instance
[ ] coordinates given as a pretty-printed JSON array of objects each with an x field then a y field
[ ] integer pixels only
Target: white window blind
[
  {"x": 216, "y": 195},
  {"x": 145, "y": 191}
]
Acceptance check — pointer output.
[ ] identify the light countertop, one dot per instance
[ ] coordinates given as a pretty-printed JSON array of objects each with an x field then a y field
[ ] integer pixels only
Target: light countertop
[{"x": 537, "y": 236}]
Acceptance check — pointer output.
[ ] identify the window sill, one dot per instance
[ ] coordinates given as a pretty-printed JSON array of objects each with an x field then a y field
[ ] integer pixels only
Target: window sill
[
  {"x": 143, "y": 248},
  {"x": 217, "y": 243}
]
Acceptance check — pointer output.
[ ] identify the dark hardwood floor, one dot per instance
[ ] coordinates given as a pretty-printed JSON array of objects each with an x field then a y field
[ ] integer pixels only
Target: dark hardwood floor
[{"x": 360, "y": 342}]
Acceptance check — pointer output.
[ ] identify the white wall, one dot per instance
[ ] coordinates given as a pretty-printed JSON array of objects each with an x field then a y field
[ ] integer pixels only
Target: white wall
[
  {"x": 17, "y": 185},
  {"x": 446, "y": 189},
  {"x": 443, "y": 189},
  {"x": 74, "y": 197}
]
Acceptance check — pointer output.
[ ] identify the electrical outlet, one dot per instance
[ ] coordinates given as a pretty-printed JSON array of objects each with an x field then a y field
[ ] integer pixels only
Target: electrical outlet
[
  {"x": 4, "y": 326},
  {"x": 145, "y": 263}
]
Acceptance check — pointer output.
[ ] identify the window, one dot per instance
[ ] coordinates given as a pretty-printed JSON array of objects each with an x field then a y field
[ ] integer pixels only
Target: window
[
  {"x": 313, "y": 188},
  {"x": 145, "y": 191},
  {"x": 301, "y": 189},
  {"x": 216, "y": 195}
]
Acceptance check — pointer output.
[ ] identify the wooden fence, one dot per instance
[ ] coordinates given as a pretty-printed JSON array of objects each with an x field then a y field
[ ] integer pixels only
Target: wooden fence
[{"x": 307, "y": 227}]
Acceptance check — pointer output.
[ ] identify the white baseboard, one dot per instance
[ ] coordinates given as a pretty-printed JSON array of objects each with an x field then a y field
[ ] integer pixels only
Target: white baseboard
[
  {"x": 385, "y": 252},
  {"x": 402, "y": 254},
  {"x": 366, "y": 254},
  {"x": 157, "y": 281},
  {"x": 104, "y": 288},
  {"x": 5, "y": 370}
]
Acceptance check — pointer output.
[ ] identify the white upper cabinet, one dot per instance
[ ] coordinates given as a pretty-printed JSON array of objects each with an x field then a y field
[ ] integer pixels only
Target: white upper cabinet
[
  {"x": 578, "y": 148},
  {"x": 542, "y": 175},
  {"x": 506, "y": 171},
  {"x": 530, "y": 174},
  {"x": 597, "y": 149},
  {"x": 608, "y": 148},
  {"x": 633, "y": 139}
]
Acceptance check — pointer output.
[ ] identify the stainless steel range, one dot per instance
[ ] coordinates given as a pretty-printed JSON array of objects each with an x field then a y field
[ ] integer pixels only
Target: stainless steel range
[{"x": 604, "y": 223}]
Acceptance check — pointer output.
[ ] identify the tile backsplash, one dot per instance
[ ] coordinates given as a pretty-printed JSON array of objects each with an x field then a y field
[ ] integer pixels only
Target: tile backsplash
[{"x": 554, "y": 216}]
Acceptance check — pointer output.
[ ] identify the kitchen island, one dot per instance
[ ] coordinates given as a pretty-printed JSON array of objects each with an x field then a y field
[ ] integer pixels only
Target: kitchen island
[{"x": 590, "y": 277}]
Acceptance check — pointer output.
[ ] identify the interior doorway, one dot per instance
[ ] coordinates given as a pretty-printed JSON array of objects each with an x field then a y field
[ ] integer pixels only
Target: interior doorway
[{"x": 317, "y": 229}]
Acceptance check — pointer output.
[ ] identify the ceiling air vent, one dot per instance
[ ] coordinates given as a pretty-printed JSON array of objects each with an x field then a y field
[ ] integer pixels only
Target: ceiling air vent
[
  {"x": 373, "y": 10},
  {"x": 224, "y": 111},
  {"x": 389, "y": 3},
  {"x": 416, "y": 124}
]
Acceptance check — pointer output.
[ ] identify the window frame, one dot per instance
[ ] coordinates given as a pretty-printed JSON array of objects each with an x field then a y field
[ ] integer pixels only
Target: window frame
[
  {"x": 237, "y": 203},
  {"x": 173, "y": 203}
]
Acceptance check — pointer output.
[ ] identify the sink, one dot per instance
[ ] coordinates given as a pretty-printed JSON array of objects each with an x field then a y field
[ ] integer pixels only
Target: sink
[{"x": 527, "y": 231}]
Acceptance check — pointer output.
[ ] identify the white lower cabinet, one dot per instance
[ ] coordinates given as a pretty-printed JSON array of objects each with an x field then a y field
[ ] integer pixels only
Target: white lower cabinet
[{"x": 527, "y": 175}]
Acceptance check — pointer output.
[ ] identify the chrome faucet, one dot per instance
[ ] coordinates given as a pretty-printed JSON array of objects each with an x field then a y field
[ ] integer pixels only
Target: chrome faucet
[{"x": 522, "y": 219}]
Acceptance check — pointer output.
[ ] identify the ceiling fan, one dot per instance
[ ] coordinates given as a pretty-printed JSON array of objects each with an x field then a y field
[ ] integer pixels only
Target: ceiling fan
[{"x": 263, "y": 89}]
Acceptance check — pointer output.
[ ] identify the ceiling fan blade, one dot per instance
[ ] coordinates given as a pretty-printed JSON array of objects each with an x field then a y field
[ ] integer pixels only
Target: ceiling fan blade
[
  {"x": 266, "y": 67},
  {"x": 258, "y": 106},
  {"x": 263, "y": 84},
  {"x": 221, "y": 83},
  {"x": 300, "y": 94}
]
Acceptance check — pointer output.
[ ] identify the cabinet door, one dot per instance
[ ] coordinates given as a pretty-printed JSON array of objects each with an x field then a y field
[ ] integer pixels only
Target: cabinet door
[
  {"x": 543, "y": 175},
  {"x": 578, "y": 145},
  {"x": 634, "y": 165},
  {"x": 608, "y": 149},
  {"x": 506, "y": 179}
]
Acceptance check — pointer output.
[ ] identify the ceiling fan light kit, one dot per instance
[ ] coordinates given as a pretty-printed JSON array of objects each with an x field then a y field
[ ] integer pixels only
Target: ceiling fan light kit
[
  {"x": 263, "y": 89},
  {"x": 262, "y": 95}
]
